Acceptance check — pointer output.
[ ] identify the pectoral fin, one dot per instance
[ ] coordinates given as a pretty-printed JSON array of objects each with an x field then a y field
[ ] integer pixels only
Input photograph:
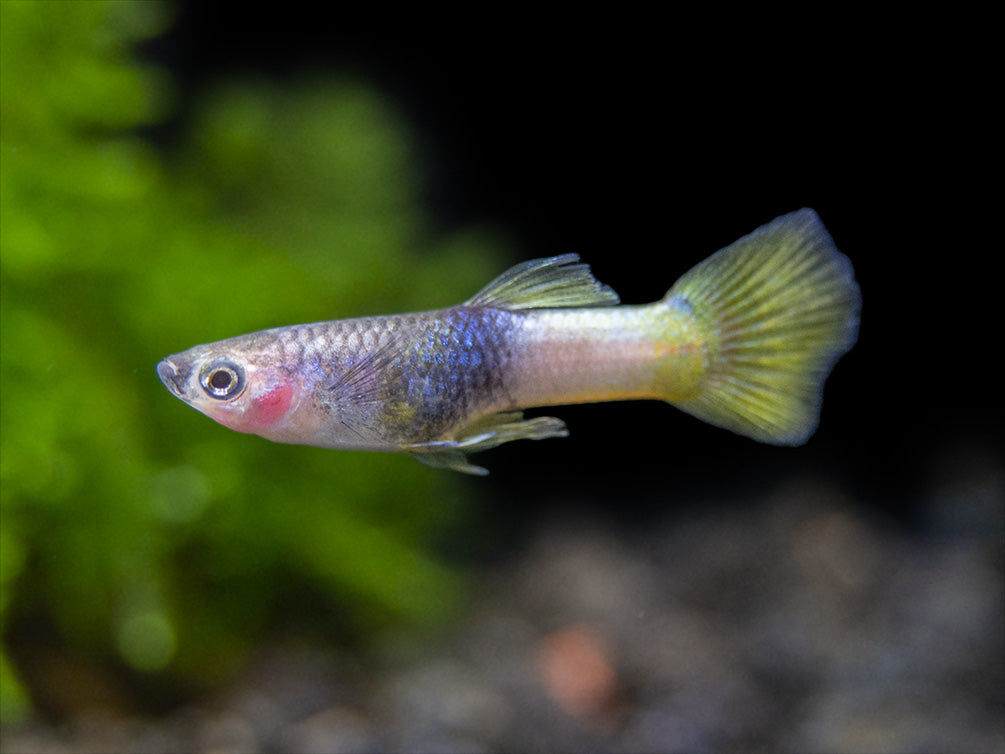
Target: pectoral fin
[{"x": 483, "y": 434}]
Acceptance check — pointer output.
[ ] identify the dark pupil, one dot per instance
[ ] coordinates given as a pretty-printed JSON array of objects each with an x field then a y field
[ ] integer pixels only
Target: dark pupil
[{"x": 220, "y": 380}]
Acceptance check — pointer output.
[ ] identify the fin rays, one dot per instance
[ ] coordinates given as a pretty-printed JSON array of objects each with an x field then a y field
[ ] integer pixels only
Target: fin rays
[
  {"x": 552, "y": 282},
  {"x": 781, "y": 306}
]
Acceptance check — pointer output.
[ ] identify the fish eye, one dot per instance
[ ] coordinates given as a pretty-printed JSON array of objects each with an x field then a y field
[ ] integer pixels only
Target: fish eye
[{"x": 222, "y": 380}]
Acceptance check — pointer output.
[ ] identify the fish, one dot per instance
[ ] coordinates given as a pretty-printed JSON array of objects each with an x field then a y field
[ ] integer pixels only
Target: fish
[{"x": 743, "y": 341}]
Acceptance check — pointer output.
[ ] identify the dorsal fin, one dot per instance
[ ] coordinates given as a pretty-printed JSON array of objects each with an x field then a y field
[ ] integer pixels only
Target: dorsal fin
[{"x": 549, "y": 283}]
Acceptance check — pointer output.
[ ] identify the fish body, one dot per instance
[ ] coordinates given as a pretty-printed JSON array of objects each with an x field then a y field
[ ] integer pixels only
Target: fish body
[{"x": 744, "y": 341}]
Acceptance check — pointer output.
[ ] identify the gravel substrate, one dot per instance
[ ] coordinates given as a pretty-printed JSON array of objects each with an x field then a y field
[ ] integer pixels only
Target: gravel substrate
[{"x": 800, "y": 623}]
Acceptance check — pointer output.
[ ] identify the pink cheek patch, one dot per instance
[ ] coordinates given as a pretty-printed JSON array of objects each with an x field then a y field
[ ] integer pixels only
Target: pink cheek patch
[
  {"x": 262, "y": 411},
  {"x": 268, "y": 408}
]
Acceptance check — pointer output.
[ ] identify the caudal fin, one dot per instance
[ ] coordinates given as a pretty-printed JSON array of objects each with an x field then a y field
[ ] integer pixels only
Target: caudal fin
[{"x": 778, "y": 308}]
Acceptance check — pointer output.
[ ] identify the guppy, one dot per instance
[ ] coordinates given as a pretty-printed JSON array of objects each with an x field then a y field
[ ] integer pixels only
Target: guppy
[{"x": 744, "y": 340}]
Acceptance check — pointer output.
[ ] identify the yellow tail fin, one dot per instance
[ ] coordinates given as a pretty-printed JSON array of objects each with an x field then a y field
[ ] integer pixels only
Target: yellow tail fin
[{"x": 778, "y": 308}]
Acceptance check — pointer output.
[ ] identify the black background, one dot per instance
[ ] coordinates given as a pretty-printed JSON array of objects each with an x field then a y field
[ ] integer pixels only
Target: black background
[{"x": 646, "y": 143}]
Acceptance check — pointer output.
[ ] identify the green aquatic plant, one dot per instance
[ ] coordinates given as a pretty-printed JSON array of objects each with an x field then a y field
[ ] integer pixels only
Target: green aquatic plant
[{"x": 131, "y": 526}]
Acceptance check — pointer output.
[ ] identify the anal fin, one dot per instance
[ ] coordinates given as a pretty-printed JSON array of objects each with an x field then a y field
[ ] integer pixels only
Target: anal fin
[{"x": 483, "y": 434}]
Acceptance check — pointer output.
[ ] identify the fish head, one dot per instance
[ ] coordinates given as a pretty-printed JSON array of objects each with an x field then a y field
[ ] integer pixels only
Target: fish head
[{"x": 236, "y": 386}]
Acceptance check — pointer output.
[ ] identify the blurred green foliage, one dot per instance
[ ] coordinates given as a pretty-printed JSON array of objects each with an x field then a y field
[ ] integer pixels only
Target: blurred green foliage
[{"x": 139, "y": 529}]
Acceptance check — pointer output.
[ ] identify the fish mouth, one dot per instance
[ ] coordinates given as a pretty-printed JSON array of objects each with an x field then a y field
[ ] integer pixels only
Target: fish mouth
[{"x": 174, "y": 379}]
